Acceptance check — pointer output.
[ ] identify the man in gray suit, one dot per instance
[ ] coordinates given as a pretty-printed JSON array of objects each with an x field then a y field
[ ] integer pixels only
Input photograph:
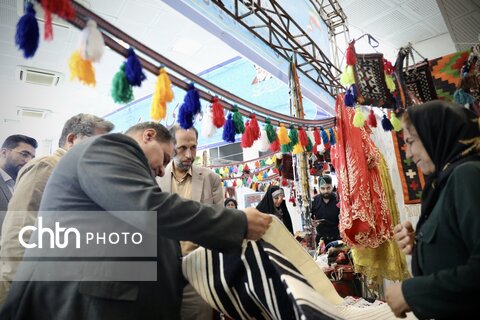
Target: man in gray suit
[
  {"x": 112, "y": 173},
  {"x": 196, "y": 183},
  {"x": 16, "y": 151}
]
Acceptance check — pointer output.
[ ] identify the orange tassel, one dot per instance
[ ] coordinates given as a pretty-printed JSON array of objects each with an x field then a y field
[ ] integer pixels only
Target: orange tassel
[{"x": 163, "y": 94}]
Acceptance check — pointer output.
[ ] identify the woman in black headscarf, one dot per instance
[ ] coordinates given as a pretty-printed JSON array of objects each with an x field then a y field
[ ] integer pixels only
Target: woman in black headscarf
[
  {"x": 443, "y": 140},
  {"x": 273, "y": 202}
]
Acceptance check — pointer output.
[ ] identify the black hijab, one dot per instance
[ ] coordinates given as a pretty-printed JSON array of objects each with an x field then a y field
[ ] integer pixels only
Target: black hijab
[
  {"x": 266, "y": 205},
  {"x": 443, "y": 128}
]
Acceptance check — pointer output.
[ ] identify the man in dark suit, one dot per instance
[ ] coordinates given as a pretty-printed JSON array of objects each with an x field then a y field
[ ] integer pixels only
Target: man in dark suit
[
  {"x": 16, "y": 151},
  {"x": 112, "y": 173}
]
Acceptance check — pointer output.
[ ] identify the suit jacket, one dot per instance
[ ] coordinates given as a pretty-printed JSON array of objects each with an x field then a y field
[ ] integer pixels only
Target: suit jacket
[
  {"x": 22, "y": 211},
  {"x": 206, "y": 188},
  {"x": 206, "y": 185},
  {"x": 5, "y": 196},
  {"x": 110, "y": 173}
]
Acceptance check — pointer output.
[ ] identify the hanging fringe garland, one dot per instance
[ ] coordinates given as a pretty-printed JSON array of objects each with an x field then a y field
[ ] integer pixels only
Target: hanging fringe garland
[
  {"x": 27, "y": 35},
  {"x": 91, "y": 45},
  {"x": 238, "y": 121},
  {"x": 81, "y": 69},
  {"x": 228, "y": 134},
  {"x": 134, "y": 70},
  {"x": 218, "y": 115},
  {"x": 122, "y": 91},
  {"x": 208, "y": 129},
  {"x": 190, "y": 108},
  {"x": 62, "y": 8},
  {"x": 372, "y": 120},
  {"x": 163, "y": 94}
]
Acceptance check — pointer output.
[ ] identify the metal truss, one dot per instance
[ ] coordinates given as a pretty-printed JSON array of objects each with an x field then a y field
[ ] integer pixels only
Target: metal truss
[{"x": 269, "y": 22}]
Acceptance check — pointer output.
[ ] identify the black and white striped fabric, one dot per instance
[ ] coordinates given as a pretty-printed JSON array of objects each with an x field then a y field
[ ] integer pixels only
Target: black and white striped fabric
[{"x": 274, "y": 278}]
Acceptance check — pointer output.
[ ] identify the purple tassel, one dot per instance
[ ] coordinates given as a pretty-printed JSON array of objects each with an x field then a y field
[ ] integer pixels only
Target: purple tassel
[
  {"x": 190, "y": 107},
  {"x": 324, "y": 135},
  {"x": 386, "y": 124},
  {"x": 27, "y": 35},
  {"x": 228, "y": 134},
  {"x": 332, "y": 137},
  {"x": 133, "y": 69}
]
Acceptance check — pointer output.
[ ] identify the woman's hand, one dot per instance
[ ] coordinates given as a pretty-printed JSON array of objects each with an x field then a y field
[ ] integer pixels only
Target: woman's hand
[{"x": 405, "y": 236}]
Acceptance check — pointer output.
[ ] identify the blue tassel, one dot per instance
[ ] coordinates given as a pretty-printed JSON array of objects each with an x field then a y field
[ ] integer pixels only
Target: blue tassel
[
  {"x": 27, "y": 35},
  {"x": 228, "y": 134},
  {"x": 350, "y": 96},
  {"x": 133, "y": 69},
  {"x": 332, "y": 137},
  {"x": 461, "y": 97},
  {"x": 386, "y": 124},
  {"x": 190, "y": 107},
  {"x": 324, "y": 135}
]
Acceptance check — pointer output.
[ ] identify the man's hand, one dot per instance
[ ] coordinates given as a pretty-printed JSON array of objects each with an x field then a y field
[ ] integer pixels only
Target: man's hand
[
  {"x": 258, "y": 223},
  {"x": 404, "y": 236},
  {"x": 396, "y": 301}
]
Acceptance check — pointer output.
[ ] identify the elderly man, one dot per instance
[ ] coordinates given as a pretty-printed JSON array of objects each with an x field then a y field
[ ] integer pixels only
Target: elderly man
[
  {"x": 110, "y": 174},
  {"x": 31, "y": 181}
]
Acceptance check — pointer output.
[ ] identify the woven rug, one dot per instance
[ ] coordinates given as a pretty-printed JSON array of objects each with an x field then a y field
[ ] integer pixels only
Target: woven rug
[
  {"x": 370, "y": 81},
  {"x": 419, "y": 82}
]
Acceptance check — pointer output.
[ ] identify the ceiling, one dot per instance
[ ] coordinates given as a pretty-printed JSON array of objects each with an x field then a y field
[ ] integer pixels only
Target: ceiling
[{"x": 392, "y": 22}]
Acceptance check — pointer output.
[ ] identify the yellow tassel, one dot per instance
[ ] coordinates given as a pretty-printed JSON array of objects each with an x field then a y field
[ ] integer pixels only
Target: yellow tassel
[
  {"x": 283, "y": 135},
  {"x": 163, "y": 94},
  {"x": 81, "y": 69},
  {"x": 335, "y": 134},
  {"x": 347, "y": 77},
  {"x": 274, "y": 159},
  {"x": 297, "y": 149},
  {"x": 390, "y": 83},
  {"x": 396, "y": 123},
  {"x": 359, "y": 118}
]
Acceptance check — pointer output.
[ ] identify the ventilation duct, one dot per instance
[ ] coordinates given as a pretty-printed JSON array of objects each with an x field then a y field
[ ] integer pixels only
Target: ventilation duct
[{"x": 37, "y": 76}]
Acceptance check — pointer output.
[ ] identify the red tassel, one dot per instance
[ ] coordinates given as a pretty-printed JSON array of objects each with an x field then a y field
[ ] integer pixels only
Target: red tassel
[
  {"x": 372, "y": 120},
  {"x": 218, "y": 115},
  {"x": 315, "y": 149},
  {"x": 255, "y": 129},
  {"x": 275, "y": 146},
  {"x": 351, "y": 58},
  {"x": 302, "y": 137},
  {"x": 312, "y": 171},
  {"x": 48, "y": 28},
  {"x": 327, "y": 146},
  {"x": 316, "y": 136},
  {"x": 234, "y": 183},
  {"x": 284, "y": 182},
  {"x": 246, "y": 168},
  {"x": 247, "y": 138},
  {"x": 62, "y": 8},
  {"x": 387, "y": 66}
]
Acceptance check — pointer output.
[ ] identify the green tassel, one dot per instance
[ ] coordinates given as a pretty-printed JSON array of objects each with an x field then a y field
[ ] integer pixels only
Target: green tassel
[
  {"x": 347, "y": 77},
  {"x": 359, "y": 118},
  {"x": 271, "y": 134},
  {"x": 238, "y": 121},
  {"x": 286, "y": 148},
  {"x": 293, "y": 135},
  {"x": 396, "y": 123},
  {"x": 122, "y": 91},
  {"x": 309, "y": 146}
]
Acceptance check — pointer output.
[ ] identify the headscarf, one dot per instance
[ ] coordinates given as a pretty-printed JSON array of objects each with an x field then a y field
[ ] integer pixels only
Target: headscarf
[
  {"x": 451, "y": 136},
  {"x": 266, "y": 205},
  {"x": 230, "y": 200}
]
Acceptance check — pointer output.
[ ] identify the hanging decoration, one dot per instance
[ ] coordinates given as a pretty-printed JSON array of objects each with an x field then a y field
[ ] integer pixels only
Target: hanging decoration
[
  {"x": 372, "y": 120},
  {"x": 190, "y": 108},
  {"x": 122, "y": 91},
  {"x": 91, "y": 45},
  {"x": 27, "y": 35},
  {"x": 133, "y": 69},
  {"x": 264, "y": 143},
  {"x": 229, "y": 129},
  {"x": 207, "y": 127},
  {"x": 396, "y": 123},
  {"x": 238, "y": 120},
  {"x": 62, "y": 8},
  {"x": 254, "y": 128},
  {"x": 386, "y": 124},
  {"x": 81, "y": 69},
  {"x": 283, "y": 138},
  {"x": 359, "y": 118},
  {"x": 247, "y": 137},
  {"x": 162, "y": 95},
  {"x": 218, "y": 115}
]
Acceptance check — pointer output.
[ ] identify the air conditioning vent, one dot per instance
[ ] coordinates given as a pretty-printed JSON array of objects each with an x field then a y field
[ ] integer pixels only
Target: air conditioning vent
[
  {"x": 39, "y": 76},
  {"x": 33, "y": 112},
  {"x": 40, "y": 14}
]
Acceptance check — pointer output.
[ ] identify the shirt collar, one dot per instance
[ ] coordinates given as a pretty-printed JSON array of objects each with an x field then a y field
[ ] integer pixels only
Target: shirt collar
[
  {"x": 189, "y": 172},
  {"x": 5, "y": 176}
]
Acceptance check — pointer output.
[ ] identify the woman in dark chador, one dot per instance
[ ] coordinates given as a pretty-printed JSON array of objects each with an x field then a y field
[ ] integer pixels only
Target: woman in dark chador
[{"x": 273, "y": 202}]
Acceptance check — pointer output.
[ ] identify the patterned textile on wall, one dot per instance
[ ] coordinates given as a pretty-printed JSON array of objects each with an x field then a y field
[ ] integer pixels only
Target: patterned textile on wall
[
  {"x": 419, "y": 82},
  {"x": 446, "y": 73},
  {"x": 370, "y": 81},
  {"x": 365, "y": 219},
  {"x": 272, "y": 279}
]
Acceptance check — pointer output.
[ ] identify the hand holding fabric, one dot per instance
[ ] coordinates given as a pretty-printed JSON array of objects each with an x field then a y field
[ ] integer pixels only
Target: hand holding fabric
[
  {"x": 396, "y": 301},
  {"x": 404, "y": 236},
  {"x": 258, "y": 223}
]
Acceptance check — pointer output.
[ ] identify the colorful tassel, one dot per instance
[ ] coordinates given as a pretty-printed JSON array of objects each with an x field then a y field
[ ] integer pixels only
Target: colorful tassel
[
  {"x": 316, "y": 136},
  {"x": 390, "y": 83},
  {"x": 271, "y": 134},
  {"x": 62, "y": 8},
  {"x": 275, "y": 146},
  {"x": 309, "y": 146},
  {"x": 121, "y": 90},
  {"x": 359, "y": 118},
  {"x": 238, "y": 121},
  {"x": 163, "y": 94},
  {"x": 27, "y": 35},
  {"x": 228, "y": 134},
  {"x": 396, "y": 123},
  {"x": 264, "y": 143},
  {"x": 388, "y": 67},
  {"x": 91, "y": 45},
  {"x": 350, "y": 54},
  {"x": 286, "y": 148},
  {"x": 386, "y": 124},
  {"x": 347, "y": 77},
  {"x": 208, "y": 129},
  {"x": 293, "y": 135},
  {"x": 134, "y": 70},
  {"x": 297, "y": 149},
  {"x": 247, "y": 137},
  {"x": 283, "y": 135},
  {"x": 81, "y": 69},
  {"x": 324, "y": 134},
  {"x": 372, "y": 120},
  {"x": 332, "y": 137},
  {"x": 254, "y": 127},
  {"x": 190, "y": 108},
  {"x": 302, "y": 137},
  {"x": 218, "y": 115}
]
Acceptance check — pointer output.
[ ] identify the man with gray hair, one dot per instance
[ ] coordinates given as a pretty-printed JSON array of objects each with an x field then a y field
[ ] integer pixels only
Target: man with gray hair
[{"x": 30, "y": 184}]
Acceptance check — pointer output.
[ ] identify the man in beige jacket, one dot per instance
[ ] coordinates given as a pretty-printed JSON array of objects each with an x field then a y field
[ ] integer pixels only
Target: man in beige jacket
[{"x": 29, "y": 187}]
